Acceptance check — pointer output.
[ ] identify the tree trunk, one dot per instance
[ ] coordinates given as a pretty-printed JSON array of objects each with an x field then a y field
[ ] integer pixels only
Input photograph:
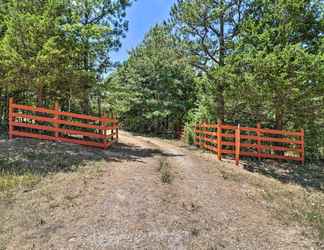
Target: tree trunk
[{"x": 220, "y": 85}]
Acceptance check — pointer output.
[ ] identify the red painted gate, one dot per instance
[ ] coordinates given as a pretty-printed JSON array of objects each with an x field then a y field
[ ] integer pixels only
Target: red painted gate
[{"x": 56, "y": 125}]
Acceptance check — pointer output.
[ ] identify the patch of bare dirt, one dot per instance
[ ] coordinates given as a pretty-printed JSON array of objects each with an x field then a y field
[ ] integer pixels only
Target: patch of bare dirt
[{"x": 121, "y": 203}]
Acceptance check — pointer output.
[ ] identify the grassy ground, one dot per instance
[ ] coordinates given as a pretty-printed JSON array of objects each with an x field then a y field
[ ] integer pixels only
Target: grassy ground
[
  {"x": 289, "y": 202},
  {"x": 23, "y": 163},
  {"x": 293, "y": 194}
]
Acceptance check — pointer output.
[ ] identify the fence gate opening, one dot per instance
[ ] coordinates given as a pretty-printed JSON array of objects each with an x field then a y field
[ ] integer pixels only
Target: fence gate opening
[
  {"x": 251, "y": 142},
  {"x": 56, "y": 125}
]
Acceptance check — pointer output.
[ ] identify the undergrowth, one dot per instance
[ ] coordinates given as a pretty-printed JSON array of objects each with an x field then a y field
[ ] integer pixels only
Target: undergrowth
[{"x": 164, "y": 169}]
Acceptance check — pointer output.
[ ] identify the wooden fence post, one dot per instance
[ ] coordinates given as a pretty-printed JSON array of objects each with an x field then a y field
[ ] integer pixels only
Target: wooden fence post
[
  {"x": 303, "y": 146},
  {"x": 259, "y": 140},
  {"x": 117, "y": 129},
  {"x": 103, "y": 131},
  {"x": 56, "y": 116},
  {"x": 10, "y": 116},
  {"x": 205, "y": 135},
  {"x": 112, "y": 125},
  {"x": 237, "y": 145},
  {"x": 219, "y": 141}
]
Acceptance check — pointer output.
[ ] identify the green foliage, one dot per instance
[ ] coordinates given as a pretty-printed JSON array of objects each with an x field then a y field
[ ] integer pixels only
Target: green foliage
[
  {"x": 154, "y": 89},
  {"x": 274, "y": 72},
  {"x": 58, "y": 50}
]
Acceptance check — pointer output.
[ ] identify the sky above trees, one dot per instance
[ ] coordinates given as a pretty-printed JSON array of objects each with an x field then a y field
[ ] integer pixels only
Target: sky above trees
[{"x": 142, "y": 15}]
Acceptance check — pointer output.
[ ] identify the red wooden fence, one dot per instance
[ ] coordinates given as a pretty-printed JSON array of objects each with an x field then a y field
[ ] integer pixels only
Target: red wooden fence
[
  {"x": 56, "y": 125},
  {"x": 258, "y": 142}
]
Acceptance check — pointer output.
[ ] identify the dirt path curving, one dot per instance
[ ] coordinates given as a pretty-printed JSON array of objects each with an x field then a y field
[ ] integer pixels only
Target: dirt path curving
[{"x": 125, "y": 205}]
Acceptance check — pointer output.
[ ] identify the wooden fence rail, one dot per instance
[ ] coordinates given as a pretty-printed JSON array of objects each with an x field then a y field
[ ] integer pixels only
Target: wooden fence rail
[
  {"x": 223, "y": 139},
  {"x": 56, "y": 125}
]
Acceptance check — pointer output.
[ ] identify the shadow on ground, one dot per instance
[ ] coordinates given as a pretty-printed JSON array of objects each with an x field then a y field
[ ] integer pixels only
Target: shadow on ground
[
  {"x": 123, "y": 152},
  {"x": 310, "y": 175},
  {"x": 36, "y": 157}
]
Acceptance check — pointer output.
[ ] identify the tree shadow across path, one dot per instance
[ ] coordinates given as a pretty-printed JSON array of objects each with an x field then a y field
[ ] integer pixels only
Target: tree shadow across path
[
  {"x": 124, "y": 152},
  {"x": 37, "y": 157}
]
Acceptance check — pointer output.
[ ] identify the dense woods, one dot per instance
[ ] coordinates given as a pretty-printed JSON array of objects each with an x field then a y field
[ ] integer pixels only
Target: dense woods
[
  {"x": 212, "y": 60},
  {"x": 245, "y": 62},
  {"x": 58, "y": 50}
]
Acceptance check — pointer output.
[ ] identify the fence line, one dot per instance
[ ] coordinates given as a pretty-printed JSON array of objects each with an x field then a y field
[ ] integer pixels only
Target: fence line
[
  {"x": 56, "y": 125},
  {"x": 223, "y": 139}
]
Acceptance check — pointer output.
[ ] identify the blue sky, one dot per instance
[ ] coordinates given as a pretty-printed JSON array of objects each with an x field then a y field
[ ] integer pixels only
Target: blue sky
[{"x": 142, "y": 15}]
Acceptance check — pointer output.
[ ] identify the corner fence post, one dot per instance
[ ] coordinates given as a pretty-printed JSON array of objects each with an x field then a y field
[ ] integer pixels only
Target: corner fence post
[
  {"x": 219, "y": 141},
  {"x": 237, "y": 145},
  {"x": 10, "y": 116},
  {"x": 303, "y": 146},
  {"x": 56, "y": 117},
  {"x": 259, "y": 140}
]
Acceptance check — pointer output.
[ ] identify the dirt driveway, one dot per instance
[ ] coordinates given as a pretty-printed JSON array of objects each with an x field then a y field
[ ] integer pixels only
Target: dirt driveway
[{"x": 123, "y": 204}]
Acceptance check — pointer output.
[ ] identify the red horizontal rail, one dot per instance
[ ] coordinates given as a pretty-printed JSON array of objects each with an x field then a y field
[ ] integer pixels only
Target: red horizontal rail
[
  {"x": 240, "y": 141},
  {"x": 62, "y": 139},
  {"x": 228, "y": 135},
  {"x": 228, "y": 143},
  {"x": 276, "y": 148},
  {"x": 62, "y": 113},
  {"x": 280, "y": 132},
  {"x": 229, "y": 152},
  {"x": 60, "y": 130},
  {"x": 206, "y": 132},
  {"x": 63, "y": 122},
  {"x": 283, "y": 157},
  {"x": 100, "y": 131}
]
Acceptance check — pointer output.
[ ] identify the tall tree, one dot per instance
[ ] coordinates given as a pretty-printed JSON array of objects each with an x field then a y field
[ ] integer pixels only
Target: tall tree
[
  {"x": 279, "y": 62},
  {"x": 59, "y": 49},
  {"x": 94, "y": 29},
  {"x": 154, "y": 89},
  {"x": 206, "y": 30}
]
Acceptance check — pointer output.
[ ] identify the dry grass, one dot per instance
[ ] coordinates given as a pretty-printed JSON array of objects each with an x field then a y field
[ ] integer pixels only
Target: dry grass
[
  {"x": 24, "y": 162},
  {"x": 290, "y": 203},
  {"x": 164, "y": 169}
]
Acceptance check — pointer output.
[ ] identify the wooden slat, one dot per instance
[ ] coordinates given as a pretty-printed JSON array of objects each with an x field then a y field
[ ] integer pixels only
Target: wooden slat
[
  {"x": 228, "y": 143},
  {"x": 257, "y": 138},
  {"x": 61, "y": 139},
  {"x": 226, "y": 151},
  {"x": 60, "y": 130},
  {"x": 270, "y": 139},
  {"x": 63, "y": 113},
  {"x": 227, "y": 135},
  {"x": 283, "y": 157},
  {"x": 279, "y": 132},
  {"x": 278, "y": 148},
  {"x": 226, "y": 126},
  {"x": 64, "y": 122}
]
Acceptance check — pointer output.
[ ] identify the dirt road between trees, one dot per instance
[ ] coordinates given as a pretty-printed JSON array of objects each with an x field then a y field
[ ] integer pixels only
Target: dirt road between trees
[{"x": 148, "y": 193}]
